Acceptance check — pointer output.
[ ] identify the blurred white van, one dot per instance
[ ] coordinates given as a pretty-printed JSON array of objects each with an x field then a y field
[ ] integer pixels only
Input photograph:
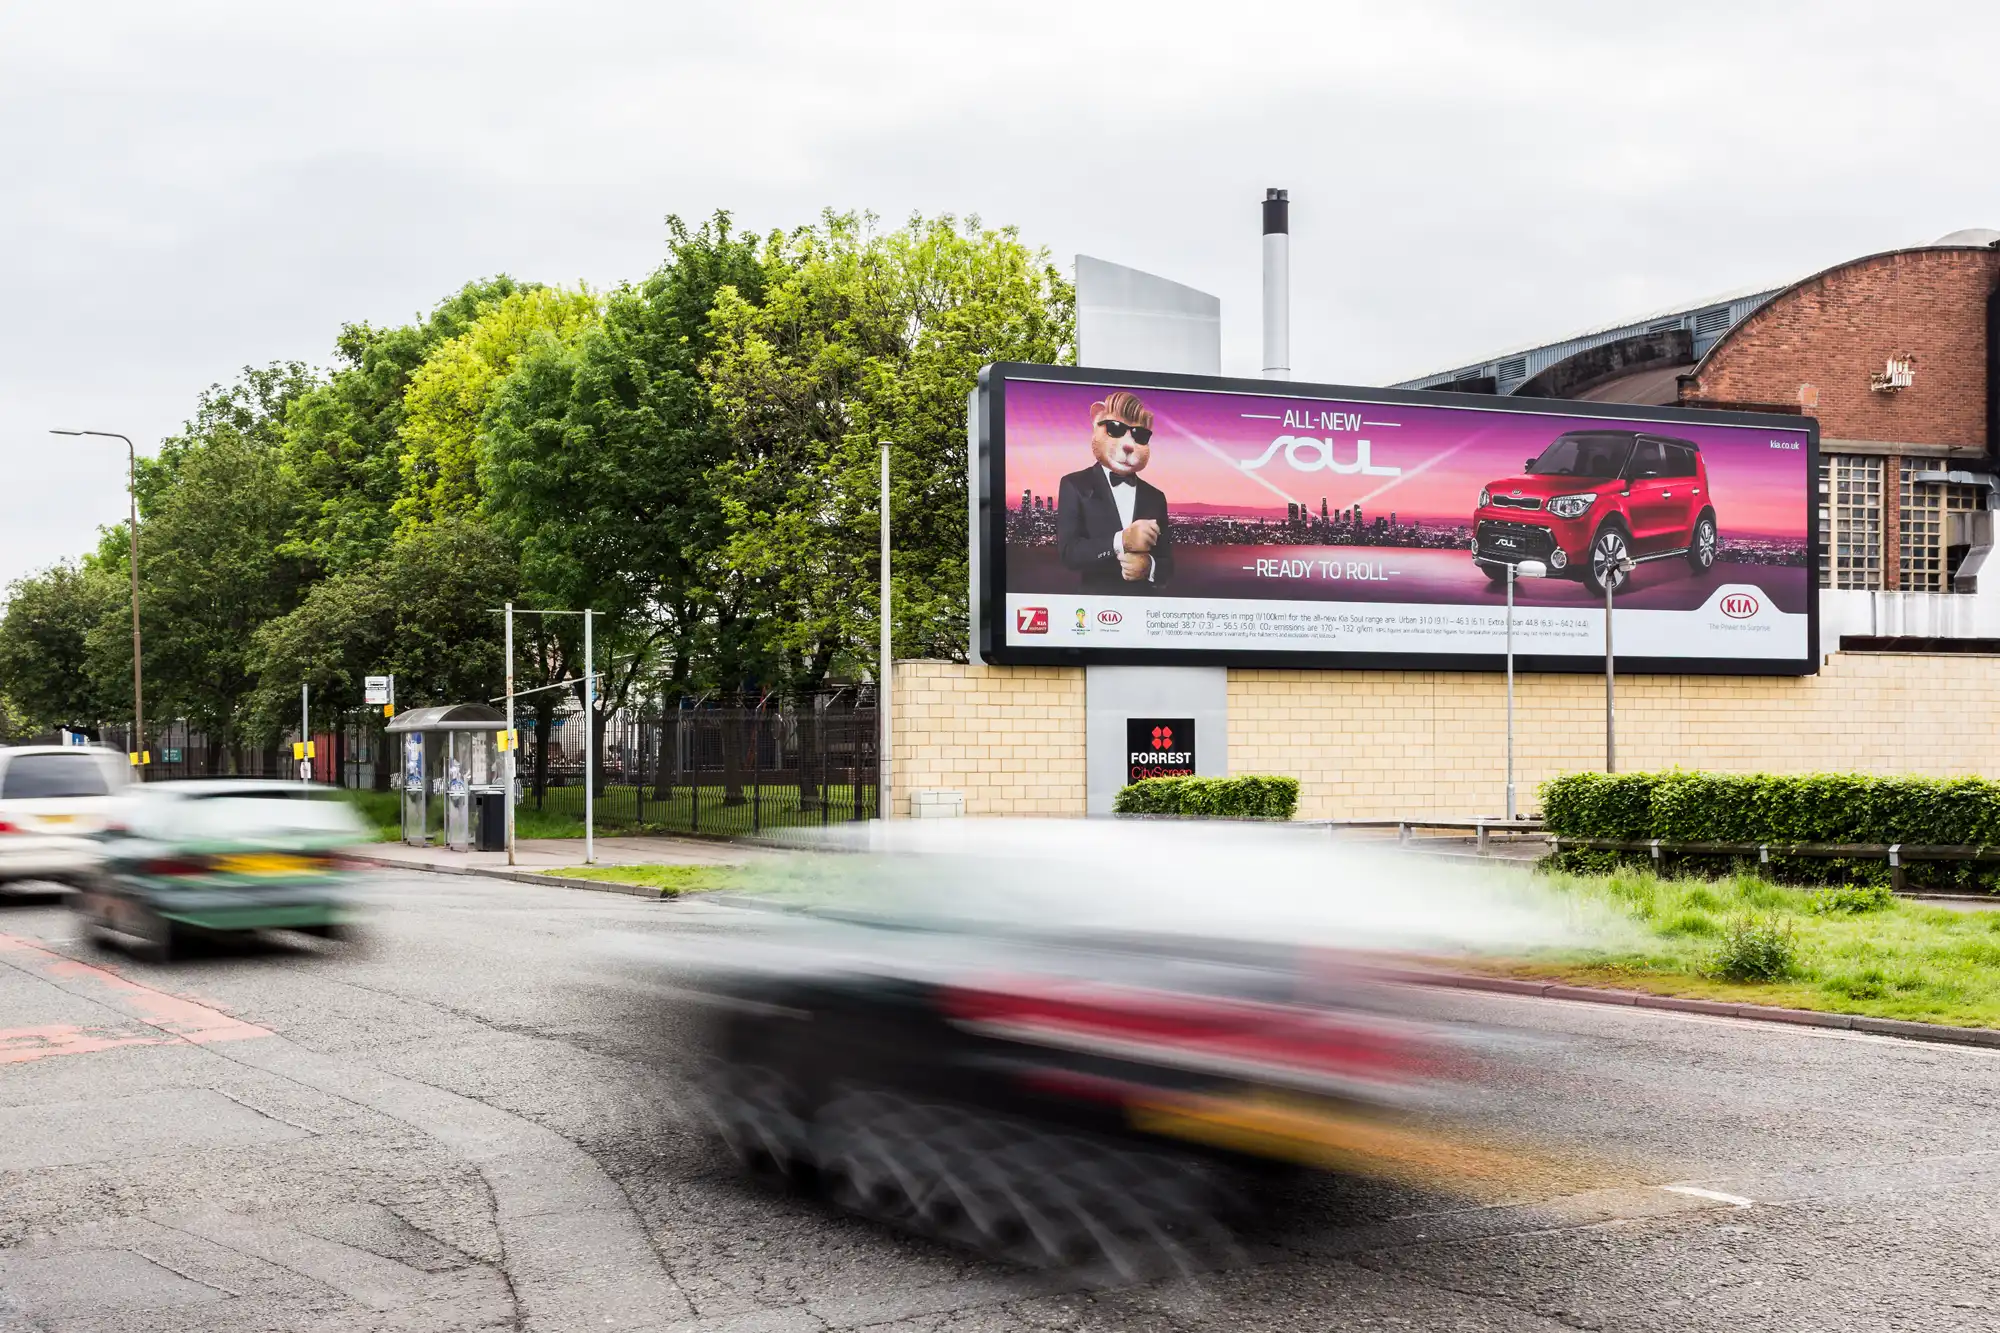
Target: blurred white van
[{"x": 52, "y": 799}]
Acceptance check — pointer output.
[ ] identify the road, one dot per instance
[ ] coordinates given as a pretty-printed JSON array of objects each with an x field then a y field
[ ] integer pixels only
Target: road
[{"x": 472, "y": 1123}]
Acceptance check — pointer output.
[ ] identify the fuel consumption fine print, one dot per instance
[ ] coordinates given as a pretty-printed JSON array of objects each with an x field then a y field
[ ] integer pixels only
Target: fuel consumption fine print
[{"x": 1157, "y": 518}]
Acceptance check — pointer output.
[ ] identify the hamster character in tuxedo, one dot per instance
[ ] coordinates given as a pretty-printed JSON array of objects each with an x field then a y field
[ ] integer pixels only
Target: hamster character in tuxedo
[{"x": 1111, "y": 526}]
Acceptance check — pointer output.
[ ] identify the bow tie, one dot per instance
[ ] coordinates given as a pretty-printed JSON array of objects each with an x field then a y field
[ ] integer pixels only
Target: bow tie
[{"x": 1122, "y": 479}]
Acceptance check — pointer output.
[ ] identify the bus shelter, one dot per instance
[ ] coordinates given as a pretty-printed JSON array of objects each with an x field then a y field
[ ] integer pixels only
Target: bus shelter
[{"x": 453, "y": 777}]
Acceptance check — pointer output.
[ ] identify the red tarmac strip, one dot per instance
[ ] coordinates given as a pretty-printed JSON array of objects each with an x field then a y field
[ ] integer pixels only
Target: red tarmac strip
[{"x": 156, "y": 1017}]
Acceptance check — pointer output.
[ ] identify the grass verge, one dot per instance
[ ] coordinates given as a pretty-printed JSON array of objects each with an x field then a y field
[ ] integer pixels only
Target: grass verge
[
  {"x": 671, "y": 881},
  {"x": 1821, "y": 949}
]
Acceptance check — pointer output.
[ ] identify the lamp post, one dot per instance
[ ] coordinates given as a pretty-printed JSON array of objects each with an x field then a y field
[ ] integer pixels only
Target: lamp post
[
  {"x": 1527, "y": 569},
  {"x": 1613, "y": 572},
  {"x": 138, "y": 744}
]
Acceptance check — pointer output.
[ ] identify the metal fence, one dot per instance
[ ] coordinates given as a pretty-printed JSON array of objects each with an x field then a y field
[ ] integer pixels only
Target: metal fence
[{"x": 740, "y": 769}]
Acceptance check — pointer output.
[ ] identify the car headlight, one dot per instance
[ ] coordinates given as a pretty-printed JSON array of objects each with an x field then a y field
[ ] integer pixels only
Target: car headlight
[
  {"x": 1485, "y": 497},
  {"x": 1571, "y": 506}
]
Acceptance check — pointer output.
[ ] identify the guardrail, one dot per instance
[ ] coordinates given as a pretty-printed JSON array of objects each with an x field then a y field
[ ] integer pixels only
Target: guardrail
[
  {"x": 1897, "y": 854},
  {"x": 1406, "y": 829}
]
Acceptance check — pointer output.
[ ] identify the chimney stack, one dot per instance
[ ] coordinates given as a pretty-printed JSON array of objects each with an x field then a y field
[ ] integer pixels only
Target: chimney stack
[{"x": 1277, "y": 285}]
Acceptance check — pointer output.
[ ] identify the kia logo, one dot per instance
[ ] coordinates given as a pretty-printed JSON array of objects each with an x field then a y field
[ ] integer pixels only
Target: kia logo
[
  {"x": 1739, "y": 606},
  {"x": 1108, "y": 617},
  {"x": 1031, "y": 620}
]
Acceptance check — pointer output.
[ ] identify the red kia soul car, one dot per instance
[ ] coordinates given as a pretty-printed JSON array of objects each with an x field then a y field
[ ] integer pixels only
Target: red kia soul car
[{"x": 1595, "y": 498}]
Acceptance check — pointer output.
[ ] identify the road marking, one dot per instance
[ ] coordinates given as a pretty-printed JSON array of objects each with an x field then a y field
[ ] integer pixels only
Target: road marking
[
  {"x": 170, "y": 1018},
  {"x": 1695, "y": 1191}
]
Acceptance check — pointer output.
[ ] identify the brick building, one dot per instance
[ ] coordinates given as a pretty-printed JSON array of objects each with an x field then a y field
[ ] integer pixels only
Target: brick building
[{"x": 1898, "y": 356}]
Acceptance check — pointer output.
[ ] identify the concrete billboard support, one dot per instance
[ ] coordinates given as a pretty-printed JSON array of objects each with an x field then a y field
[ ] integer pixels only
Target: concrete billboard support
[{"x": 1130, "y": 320}]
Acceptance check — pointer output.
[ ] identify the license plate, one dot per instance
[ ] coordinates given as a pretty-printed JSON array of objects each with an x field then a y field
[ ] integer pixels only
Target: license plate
[
  {"x": 57, "y": 819},
  {"x": 265, "y": 863}
]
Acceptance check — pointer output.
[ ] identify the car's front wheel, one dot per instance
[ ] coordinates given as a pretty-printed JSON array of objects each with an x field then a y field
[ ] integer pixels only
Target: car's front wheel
[
  {"x": 1702, "y": 550},
  {"x": 1610, "y": 549}
]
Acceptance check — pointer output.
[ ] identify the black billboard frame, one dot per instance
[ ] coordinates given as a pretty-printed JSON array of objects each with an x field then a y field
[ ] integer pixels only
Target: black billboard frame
[{"x": 987, "y": 463}]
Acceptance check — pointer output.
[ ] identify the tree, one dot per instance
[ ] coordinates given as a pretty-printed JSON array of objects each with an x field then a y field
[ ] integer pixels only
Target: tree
[
  {"x": 596, "y": 455},
  {"x": 422, "y": 611},
  {"x": 343, "y": 447},
  {"x": 254, "y": 407},
  {"x": 46, "y": 671},
  {"x": 212, "y": 567},
  {"x": 450, "y": 391},
  {"x": 859, "y": 338}
]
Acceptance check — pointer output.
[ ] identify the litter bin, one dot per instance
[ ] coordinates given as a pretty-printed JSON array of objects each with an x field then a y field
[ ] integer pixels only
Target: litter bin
[{"x": 490, "y": 808}]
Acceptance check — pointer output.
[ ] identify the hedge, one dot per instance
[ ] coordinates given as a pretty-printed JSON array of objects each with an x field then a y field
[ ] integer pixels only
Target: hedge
[
  {"x": 1212, "y": 798},
  {"x": 1763, "y": 807}
]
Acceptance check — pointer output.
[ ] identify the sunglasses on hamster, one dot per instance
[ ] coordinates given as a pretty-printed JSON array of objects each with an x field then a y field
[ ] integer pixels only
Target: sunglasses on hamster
[{"x": 1116, "y": 430}]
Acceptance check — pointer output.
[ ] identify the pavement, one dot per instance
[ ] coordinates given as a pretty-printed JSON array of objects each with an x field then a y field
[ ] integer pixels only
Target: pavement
[
  {"x": 473, "y": 1122},
  {"x": 544, "y": 854}
]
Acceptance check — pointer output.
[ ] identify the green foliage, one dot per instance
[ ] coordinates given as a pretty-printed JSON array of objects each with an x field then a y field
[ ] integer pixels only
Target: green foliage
[
  {"x": 692, "y": 456},
  {"x": 1777, "y": 809},
  {"x": 343, "y": 445},
  {"x": 1852, "y": 899},
  {"x": 450, "y": 392},
  {"x": 1756, "y": 949},
  {"x": 862, "y": 337},
  {"x": 598, "y": 455},
  {"x": 211, "y": 567},
  {"x": 423, "y": 612},
  {"x": 1906, "y": 960},
  {"x": 1211, "y": 798},
  {"x": 47, "y": 671}
]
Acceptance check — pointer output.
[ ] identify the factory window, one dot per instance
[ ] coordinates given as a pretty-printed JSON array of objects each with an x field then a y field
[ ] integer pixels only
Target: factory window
[
  {"x": 1850, "y": 522},
  {"x": 1514, "y": 369},
  {"x": 1925, "y": 531},
  {"x": 1711, "y": 321}
]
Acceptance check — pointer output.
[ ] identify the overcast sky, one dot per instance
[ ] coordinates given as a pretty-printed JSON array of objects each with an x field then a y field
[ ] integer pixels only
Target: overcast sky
[{"x": 187, "y": 188}]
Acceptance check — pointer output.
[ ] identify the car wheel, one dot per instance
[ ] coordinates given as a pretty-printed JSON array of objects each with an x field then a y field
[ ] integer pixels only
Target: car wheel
[
  {"x": 1701, "y": 551},
  {"x": 1607, "y": 549},
  {"x": 157, "y": 938}
]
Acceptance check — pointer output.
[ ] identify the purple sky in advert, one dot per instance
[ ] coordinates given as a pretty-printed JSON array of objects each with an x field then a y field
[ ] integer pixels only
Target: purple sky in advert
[{"x": 1252, "y": 454}]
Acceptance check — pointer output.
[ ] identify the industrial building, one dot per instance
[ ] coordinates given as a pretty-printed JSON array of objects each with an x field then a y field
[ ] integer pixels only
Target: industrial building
[{"x": 1897, "y": 354}]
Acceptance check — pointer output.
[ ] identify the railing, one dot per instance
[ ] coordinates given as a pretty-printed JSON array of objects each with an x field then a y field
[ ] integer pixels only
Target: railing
[
  {"x": 1481, "y": 828},
  {"x": 1897, "y": 854},
  {"x": 729, "y": 772}
]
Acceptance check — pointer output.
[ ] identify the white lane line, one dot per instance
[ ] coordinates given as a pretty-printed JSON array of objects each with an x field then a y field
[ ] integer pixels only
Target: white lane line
[{"x": 1733, "y": 1200}]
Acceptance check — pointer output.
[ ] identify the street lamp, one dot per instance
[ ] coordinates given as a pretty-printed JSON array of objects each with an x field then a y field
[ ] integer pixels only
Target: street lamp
[
  {"x": 1612, "y": 571},
  {"x": 1527, "y": 569},
  {"x": 138, "y": 744}
]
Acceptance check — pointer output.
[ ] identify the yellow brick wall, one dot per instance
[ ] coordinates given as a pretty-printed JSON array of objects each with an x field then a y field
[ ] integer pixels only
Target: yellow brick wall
[
  {"x": 1379, "y": 743},
  {"x": 1010, "y": 738}
]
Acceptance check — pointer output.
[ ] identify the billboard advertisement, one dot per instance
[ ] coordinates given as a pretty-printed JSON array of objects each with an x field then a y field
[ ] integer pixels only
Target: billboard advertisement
[{"x": 1128, "y": 518}]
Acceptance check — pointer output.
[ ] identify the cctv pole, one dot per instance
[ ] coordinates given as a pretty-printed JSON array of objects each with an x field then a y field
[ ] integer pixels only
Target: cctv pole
[
  {"x": 883, "y": 795},
  {"x": 507, "y": 769},
  {"x": 589, "y": 748},
  {"x": 1510, "y": 692},
  {"x": 1277, "y": 285}
]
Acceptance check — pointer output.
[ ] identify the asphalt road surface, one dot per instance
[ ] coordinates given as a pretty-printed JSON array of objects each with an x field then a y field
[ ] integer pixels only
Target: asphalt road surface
[{"x": 473, "y": 1123}]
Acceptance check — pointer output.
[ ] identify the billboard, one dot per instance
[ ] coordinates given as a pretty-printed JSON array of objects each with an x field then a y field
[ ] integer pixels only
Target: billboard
[{"x": 1130, "y": 518}]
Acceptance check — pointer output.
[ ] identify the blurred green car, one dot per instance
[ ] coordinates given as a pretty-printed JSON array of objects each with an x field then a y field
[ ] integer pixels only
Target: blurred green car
[{"x": 221, "y": 856}]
